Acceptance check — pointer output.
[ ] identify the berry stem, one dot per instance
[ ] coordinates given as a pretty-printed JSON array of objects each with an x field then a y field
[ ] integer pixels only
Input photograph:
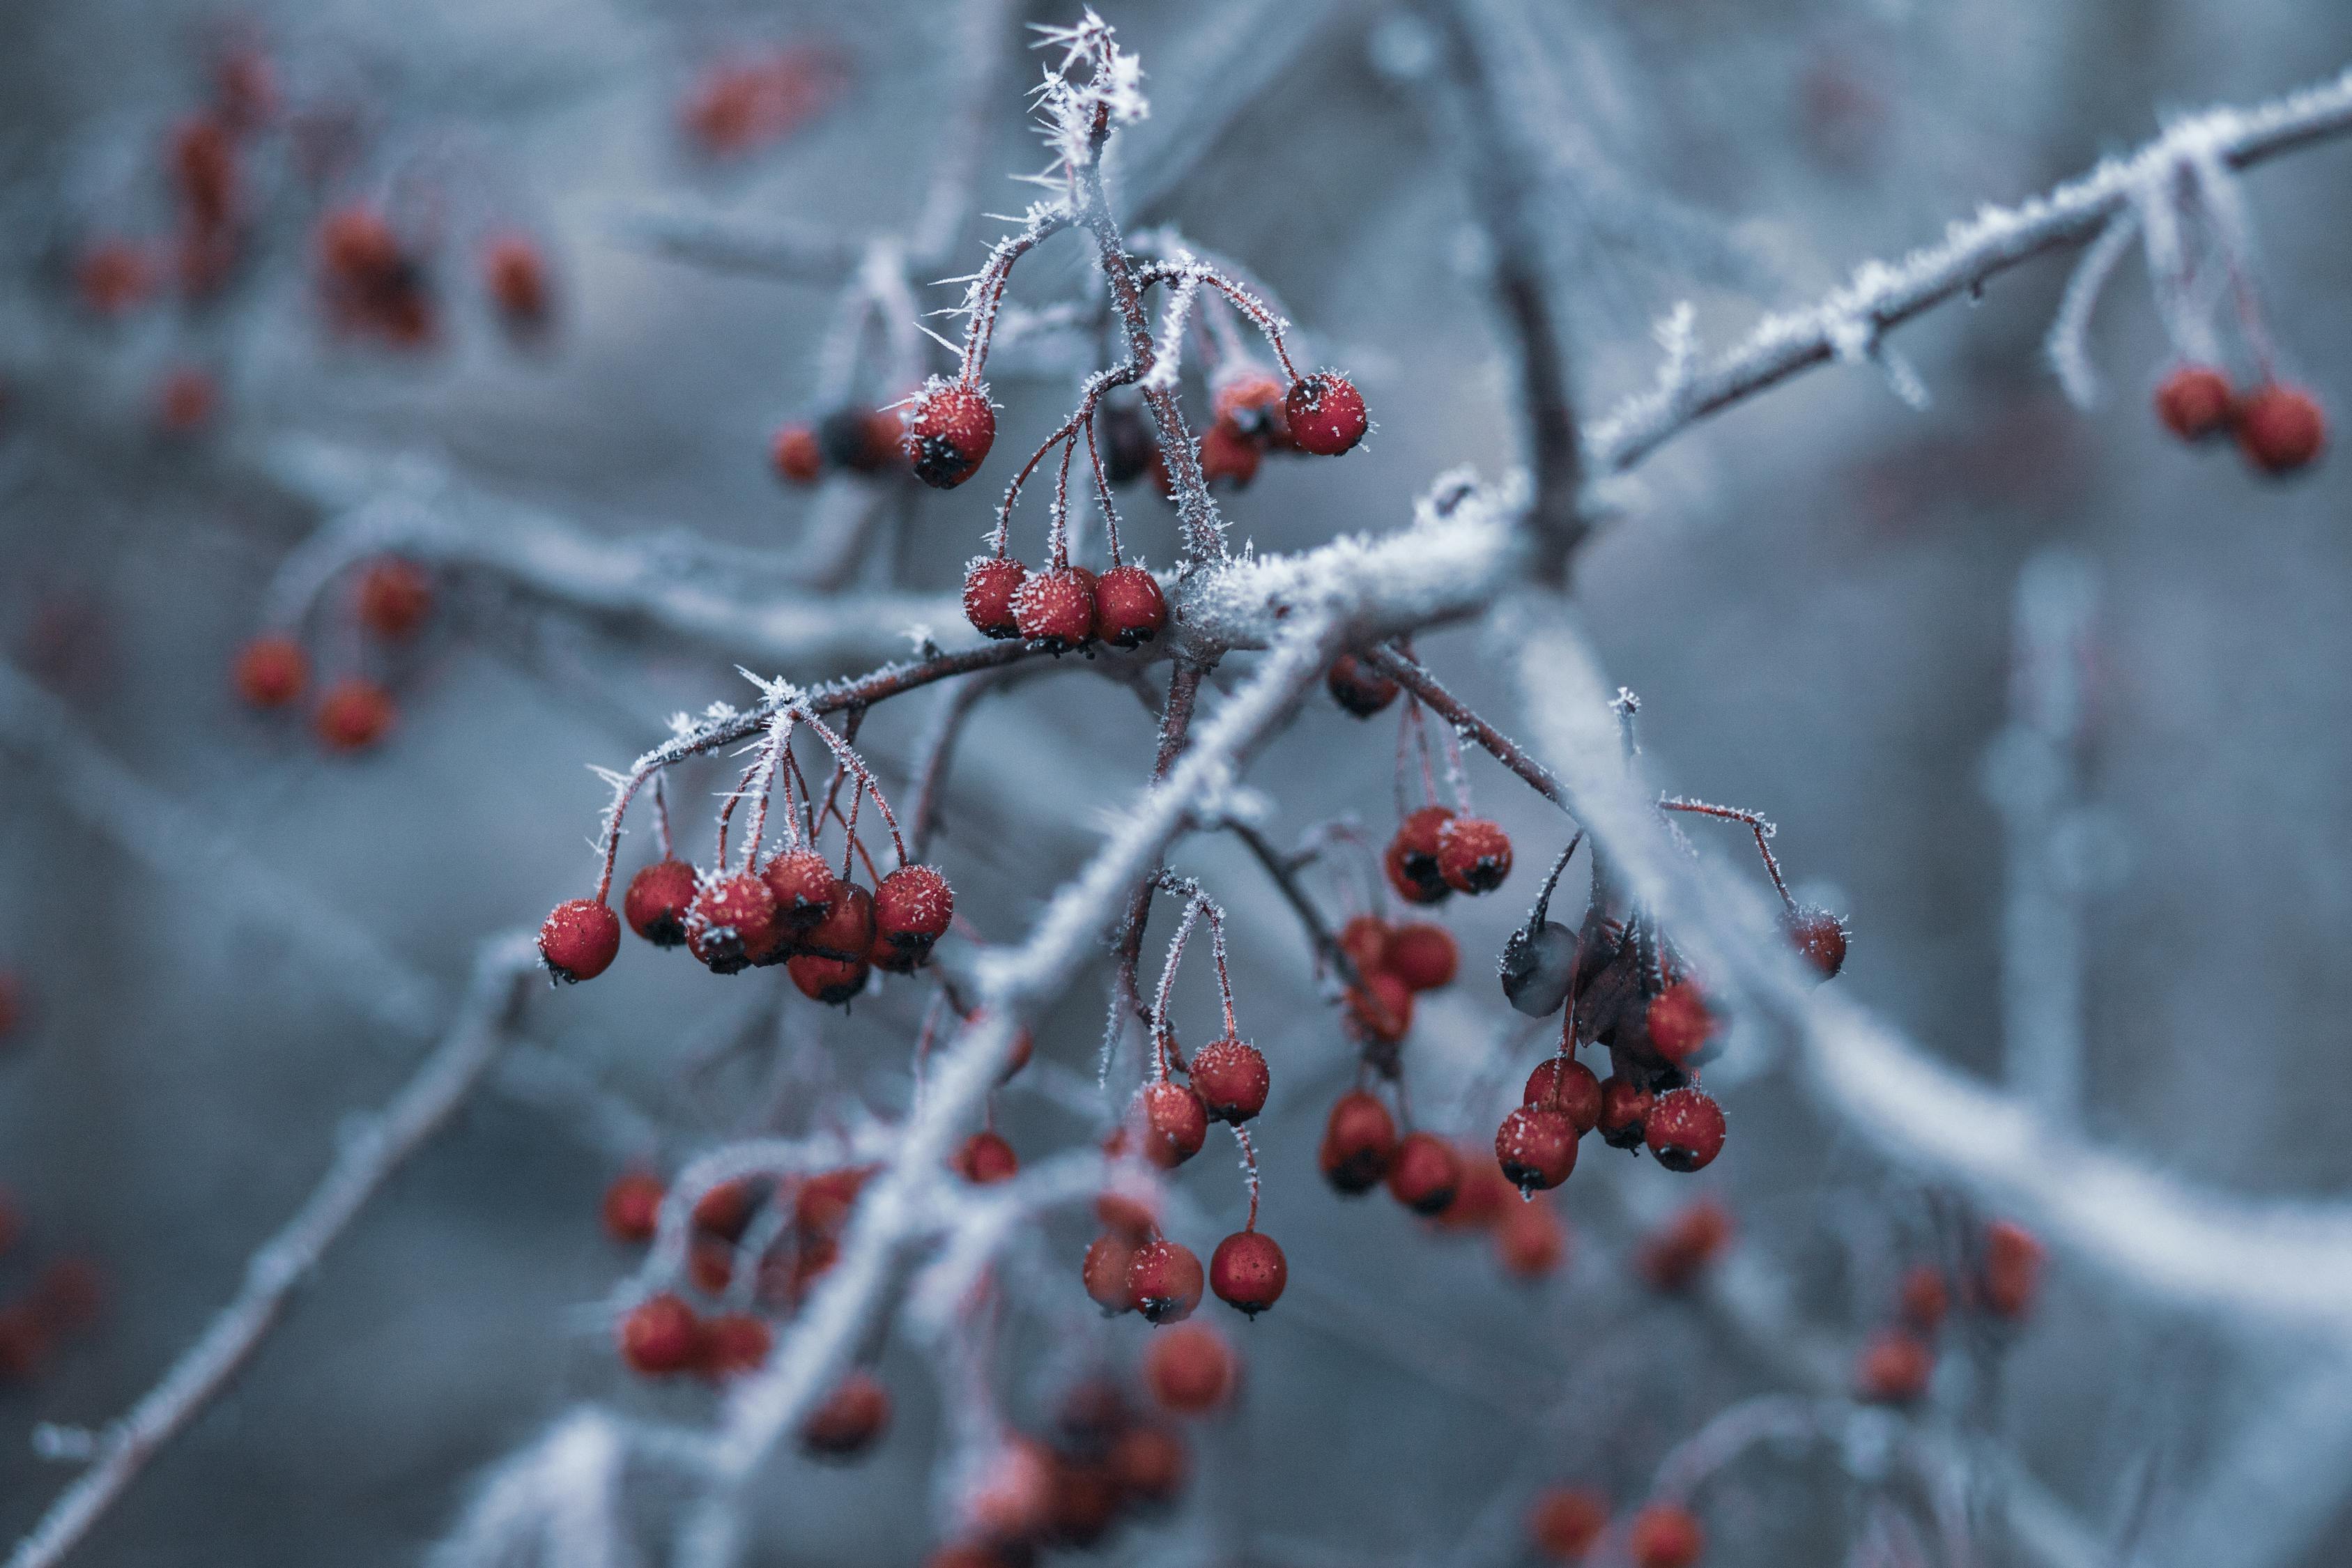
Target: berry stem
[
  {"x": 1542, "y": 909},
  {"x": 1326, "y": 946},
  {"x": 1756, "y": 824},
  {"x": 1249, "y": 1171}
]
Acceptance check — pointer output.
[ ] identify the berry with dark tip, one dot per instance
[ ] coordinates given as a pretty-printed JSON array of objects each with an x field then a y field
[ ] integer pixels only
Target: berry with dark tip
[
  {"x": 1684, "y": 1129},
  {"x": 1056, "y": 608},
  {"x": 863, "y": 440},
  {"x": 1163, "y": 1281},
  {"x": 1411, "y": 858},
  {"x": 850, "y": 1420},
  {"x": 1474, "y": 854},
  {"x": 731, "y": 924},
  {"x": 991, "y": 583},
  {"x": 658, "y": 897},
  {"x": 1248, "y": 1272},
  {"x": 1358, "y": 1142},
  {"x": 1326, "y": 413},
  {"x": 1175, "y": 1123},
  {"x": 1536, "y": 1147},
  {"x": 948, "y": 432},
  {"x": 801, "y": 883},
  {"x": 579, "y": 940},
  {"x": 1358, "y": 687},
  {"x": 1130, "y": 609},
  {"x": 1426, "y": 1173},
  {"x": 2194, "y": 402},
  {"x": 913, "y": 909},
  {"x": 1566, "y": 1085},
  {"x": 1230, "y": 1078},
  {"x": 1624, "y": 1107},
  {"x": 832, "y": 981}
]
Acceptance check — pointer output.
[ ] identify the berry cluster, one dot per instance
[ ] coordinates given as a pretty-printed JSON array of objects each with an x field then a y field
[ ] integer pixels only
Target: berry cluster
[
  {"x": 391, "y": 600},
  {"x": 1566, "y": 1522},
  {"x": 2280, "y": 429},
  {"x": 1104, "y": 1461},
  {"x": 1896, "y": 1362}
]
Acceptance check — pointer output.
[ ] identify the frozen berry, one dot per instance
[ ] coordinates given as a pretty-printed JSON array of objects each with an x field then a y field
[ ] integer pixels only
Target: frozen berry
[
  {"x": 271, "y": 671},
  {"x": 1175, "y": 1123},
  {"x": 516, "y": 274},
  {"x": 1250, "y": 401},
  {"x": 848, "y": 931},
  {"x": 991, "y": 583},
  {"x": 1379, "y": 1010},
  {"x": 1562, "y": 1083},
  {"x": 1423, "y": 955},
  {"x": 1230, "y": 1076},
  {"x": 2280, "y": 428},
  {"x": 832, "y": 981},
  {"x": 2194, "y": 402},
  {"x": 1189, "y": 1369},
  {"x": 1056, "y": 608},
  {"x": 1163, "y": 1281},
  {"x": 1678, "y": 1022},
  {"x": 1358, "y": 687},
  {"x": 801, "y": 883},
  {"x": 1665, "y": 1535},
  {"x": 986, "y": 1159},
  {"x": 797, "y": 457},
  {"x": 661, "y": 1334},
  {"x": 1565, "y": 1521},
  {"x": 1684, "y": 1129},
  {"x": 1530, "y": 1240},
  {"x": 731, "y": 924},
  {"x": 1326, "y": 413},
  {"x": 1819, "y": 937},
  {"x": 948, "y": 432},
  {"x": 734, "y": 1343},
  {"x": 864, "y": 440},
  {"x": 1358, "y": 1142},
  {"x": 1424, "y": 1174},
  {"x": 1474, "y": 854},
  {"x": 1539, "y": 966},
  {"x": 1228, "y": 457},
  {"x": 1104, "y": 1272},
  {"x": 2012, "y": 1269},
  {"x": 1248, "y": 1272},
  {"x": 912, "y": 908},
  {"x": 1365, "y": 941},
  {"x": 1535, "y": 1148},
  {"x": 1412, "y": 859},
  {"x": 850, "y": 1420},
  {"x": 1624, "y": 1107},
  {"x": 1130, "y": 609},
  {"x": 1893, "y": 1368},
  {"x": 354, "y": 714},
  {"x": 632, "y": 1205},
  {"x": 579, "y": 940},
  {"x": 658, "y": 897}
]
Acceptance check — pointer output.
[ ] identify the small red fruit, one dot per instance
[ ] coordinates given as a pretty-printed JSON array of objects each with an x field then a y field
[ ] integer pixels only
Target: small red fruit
[
  {"x": 271, "y": 671},
  {"x": 948, "y": 432},
  {"x": 1530, "y": 1241},
  {"x": 1163, "y": 1281},
  {"x": 580, "y": 939},
  {"x": 1665, "y": 1535},
  {"x": 1412, "y": 859},
  {"x": 725, "y": 1210},
  {"x": 1474, "y": 854},
  {"x": 661, "y": 1334},
  {"x": 1819, "y": 937},
  {"x": 850, "y": 1420},
  {"x": 1250, "y": 403},
  {"x": 734, "y": 1343},
  {"x": 1535, "y": 1148},
  {"x": 797, "y": 457},
  {"x": 1566, "y": 1085},
  {"x": 1150, "y": 1464},
  {"x": 1379, "y": 1010},
  {"x": 633, "y": 1206},
  {"x": 354, "y": 714},
  {"x": 516, "y": 274},
  {"x": 1189, "y": 1369},
  {"x": 1483, "y": 1198},
  {"x": 395, "y": 597},
  {"x": 1893, "y": 1368},
  {"x": 1058, "y": 608},
  {"x": 848, "y": 931},
  {"x": 1248, "y": 1272},
  {"x": 1565, "y": 1521},
  {"x": 913, "y": 909},
  {"x": 1326, "y": 413},
  {"x": 1230, "y": 1076},
  {"x": 731, "y": 924},
  {"x": 1624, "y": 1107},
  {"x": 1358, "y": 687},
  {"x": 991, "y": 583},
  {"x": 2012, "y": 1269},
  {"x": 1228, "y": 457},
  {"x": 185, "y": 399},
  {"x": 1421, "y": 954},
  {"x": 986, "y": 1159},
  {"x": 2280, "y": 428},
  {"x": 1925, "y": 1297},
  {"x": 2194, "y": 402},
  {"x": 658, "y": 898},
  {"x": 864, "y": 440},
  {"x": 832, "y": 981},
  {"x": 801, "y": 881},
  {"x": 1684, "y": 1129},
  {"x": 1175, "y": 1123},
  {"x": 1365, "y": 941},
  {"x": 1673, "y": 1259},
  {"x": 1104, "y": 1273},
  {"x": 112, "y": 275},
  {"x": 1130, "y": 609},
  {"x": 1678, "y": 1022},
  {"x": 1426, "y": 1173},
  {"x": 1358, "y": 1143}
]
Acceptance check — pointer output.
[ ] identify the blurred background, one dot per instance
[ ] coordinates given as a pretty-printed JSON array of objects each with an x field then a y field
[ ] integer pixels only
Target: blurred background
[{"x": 1818, "y": 598}]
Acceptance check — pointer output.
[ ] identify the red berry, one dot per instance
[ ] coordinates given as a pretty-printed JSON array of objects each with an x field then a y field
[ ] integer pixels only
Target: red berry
[
  {"x": 203, "y": 169},
  {"x": 948, "y": 432},
  {"x": 1358, "y": 1142},
  {"x": 1673, "y": 1259},
  {"x": 710, "y": 1264},
  {"x": 185, "y": 399},
  {"x": 1483, "y": 1198},
  {"x": 1678, "y": 1022},
  {"x": 823, "y": 1204},
  {"x": 358, "y": 250},
  {"x": 1058, "y": 608},
  {"x": 797, "y": 457},
  {"x": 1530, "y": 1241},
  {"x": 725, "y": 1210},
  {"x": 1084, "y": 1505},
  {"x": 991, "y": 583},
  {"x": 912, "y": 908},
  {"x": 1189, "y": 1369},
  {"x": 1426, "y": 1173},
  {"x": 1380, "y": 1009},
  {"x": 1228, "y": 457},
  {"x": 1104, "y": 1273},
  {"x": 1163, "y": 1281},
  {"x": 516, "y": 274},
  {"x": 1624, "y": 1107},
  {"x": 2012, "y": 1269},
  {"x": 864, "y": 440},
  {"x": 1423, "y": 955},
  {"x": 632, "y": 1205},
  {"x": 579, "y": 940},
  {"x": 1230, "y": 1078},
  {"x": 271, "y": 671},
  {"x": 1535, "y": 1148},
  {"x": 1175, "y": 1123},
  {"x": 1326, "y": 413},
  {"x": 1565, "y": 1521},
  {"x": 832, "y": 981},
  {"x": 850, "y": 1420},
  {"x": 1819, "y": 937},
  {"x": 731, "y": 924},
  {"x": 1365, "y": 941},
  {"x": 1925, "y": 1297},
  {"x": 1412, "y": 859},
  {"x": 354, "y": 714},
  {"x": 1248, "y": 1272},
  {"x": 1893, "y": 1368},
  {"x": 1013, "y": 1502},
  {"x": 1250, "y": 403},
  {"x": 661, "y": 1334},
  {"x": 986, "y": 1159},
  {"x": 112, "y": 275},
  {"x": 1474, "y": 854},
  {"x": 2280, "y": 428},
  {"x": 2194, "y": 402},
  {"x": 1358, "y": 687},
  {"x": 1150, "y": 1464},
  {"x": 801, "y": 883},
  {"x": 12, "y": 1013},
  {"x": 1684, "y": 1129},
  {"x": 846, "y": 932},
  {"x": 658, "y": 898},
  {"x": 734, "y": 1343},
  {"x": 1665, "y": 1535},
  {"x": 1130, "y": 609},
  {"x": 1566, "y": 1085}
]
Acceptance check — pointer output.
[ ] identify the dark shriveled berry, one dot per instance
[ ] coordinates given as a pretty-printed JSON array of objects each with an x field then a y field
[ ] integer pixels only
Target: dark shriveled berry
[
  {"x": 1128, "y": 446},
  {"x": 1537, "y": 967},
  {"x": 580, "y": 939}
]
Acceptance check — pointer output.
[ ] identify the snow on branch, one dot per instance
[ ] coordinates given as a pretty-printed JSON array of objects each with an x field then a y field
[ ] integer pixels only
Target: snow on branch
[
  {"x": 725, "y": 243},
  {"x": 1880, "y": 296},
  {"x": 369, "y": 1153}
]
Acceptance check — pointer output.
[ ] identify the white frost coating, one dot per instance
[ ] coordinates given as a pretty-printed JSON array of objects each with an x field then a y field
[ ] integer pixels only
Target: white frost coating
[
  {"x": 2275, "y": 1262},
  {"x": 979, "y": 1223},
  {"x": 1167, "y": 347},
  {"x": 556, "y": 1501},
  {"x": 2068, "y": 356}
]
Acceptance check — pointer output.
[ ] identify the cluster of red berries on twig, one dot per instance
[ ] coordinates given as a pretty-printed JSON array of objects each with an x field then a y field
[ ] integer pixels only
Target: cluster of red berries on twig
[
  {"x": 2279, "y": 428},
  {"x": 1566, "y": 1522},
  {"x": 391, "y": 600},
  {"x": 1897, "y": 1361},
  {"x": 1105, "y": 1460}
]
